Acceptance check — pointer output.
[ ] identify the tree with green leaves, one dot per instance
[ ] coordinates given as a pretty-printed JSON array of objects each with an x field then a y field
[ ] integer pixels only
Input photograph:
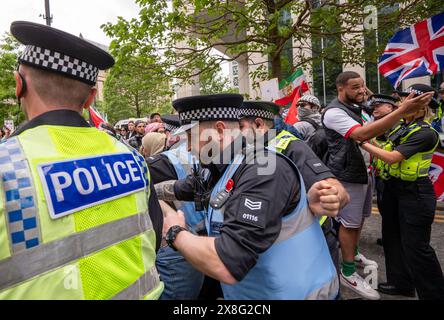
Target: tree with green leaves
[
  {"x": 182, "y": 34},
  {"x": 131, "y": 90},
  {"x": 9, "y": 51},
  {"x": 214, "y": 82}
]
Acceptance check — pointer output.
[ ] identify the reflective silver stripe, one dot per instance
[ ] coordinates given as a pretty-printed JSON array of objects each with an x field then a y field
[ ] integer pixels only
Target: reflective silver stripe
[
  {"x": 423, "y": 171},
  {"x": 141, "y": 287},
  {"x": 329, "y": 291},
  {"x": 27, "y": 264},
  {"x": 427, "y": 156},
  {"x": 296, "y": 225}
]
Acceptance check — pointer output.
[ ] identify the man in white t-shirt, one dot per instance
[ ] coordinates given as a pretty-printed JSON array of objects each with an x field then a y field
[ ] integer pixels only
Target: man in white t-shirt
[{"x": 344, "y": 129}]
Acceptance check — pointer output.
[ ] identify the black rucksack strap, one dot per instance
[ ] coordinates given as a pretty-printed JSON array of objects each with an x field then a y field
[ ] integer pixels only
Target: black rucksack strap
[{"x": 312, "y": 122}]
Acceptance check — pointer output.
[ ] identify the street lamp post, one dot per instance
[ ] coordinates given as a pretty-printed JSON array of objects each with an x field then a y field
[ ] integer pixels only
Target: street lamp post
[{"x": 47, "y": 15}]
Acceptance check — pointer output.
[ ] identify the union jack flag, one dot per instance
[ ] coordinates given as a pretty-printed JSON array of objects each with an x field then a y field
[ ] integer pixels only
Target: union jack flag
[{"x": 415, "y": 51}]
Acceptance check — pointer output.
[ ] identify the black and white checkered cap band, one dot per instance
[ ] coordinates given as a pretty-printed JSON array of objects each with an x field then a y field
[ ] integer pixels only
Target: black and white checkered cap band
[
  {"x": 170, "y": 127},
  {"x": 418, "y": 92},
  {"x": 258, "y": 113},
  {"x": 208, "y": 114},
  {"x": 61, "y": 63},
  {"x": 410, "y": 90},
  {"x": 382, "y": 100}
]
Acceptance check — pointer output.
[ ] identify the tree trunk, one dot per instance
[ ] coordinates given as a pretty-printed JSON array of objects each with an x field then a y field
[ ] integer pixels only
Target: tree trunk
[
  {"x": 276, "y": 70},
  {"x": 137, "y": 105}
]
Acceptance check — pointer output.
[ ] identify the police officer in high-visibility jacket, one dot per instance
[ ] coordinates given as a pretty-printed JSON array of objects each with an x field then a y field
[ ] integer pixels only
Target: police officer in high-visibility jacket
[
  {"x": 408, "y": 205},
  {"x": 77, "y": 219}
]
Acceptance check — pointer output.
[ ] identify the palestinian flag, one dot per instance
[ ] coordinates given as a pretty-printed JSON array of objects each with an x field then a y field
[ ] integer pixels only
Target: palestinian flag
[{"x": 289, "y": 87}]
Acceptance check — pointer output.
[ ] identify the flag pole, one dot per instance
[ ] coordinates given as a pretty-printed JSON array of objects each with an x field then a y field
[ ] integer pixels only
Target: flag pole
[
  {"x": 323, "y": 72},
  {"x": 377, "y": 48}
]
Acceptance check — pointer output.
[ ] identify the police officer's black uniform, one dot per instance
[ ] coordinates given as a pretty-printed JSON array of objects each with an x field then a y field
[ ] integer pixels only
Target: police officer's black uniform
[
  {"x": 310, "y": 166},
  {"x": 239, "y": 247}
]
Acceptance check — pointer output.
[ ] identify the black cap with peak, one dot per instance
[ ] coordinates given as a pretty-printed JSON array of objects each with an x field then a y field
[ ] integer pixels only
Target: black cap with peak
[
  {"x": 171, "y": 122},
  {"x": 419, "y": 89},
  {"x": 259, "y": 109},
  {"x": 207, "y": 108},
  {"x": 383, "y": 98},
  {"x": 57, "y": 51}
]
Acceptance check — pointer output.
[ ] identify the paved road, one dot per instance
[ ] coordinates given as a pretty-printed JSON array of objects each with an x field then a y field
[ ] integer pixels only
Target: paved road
[{"x": 372, "y": 231}]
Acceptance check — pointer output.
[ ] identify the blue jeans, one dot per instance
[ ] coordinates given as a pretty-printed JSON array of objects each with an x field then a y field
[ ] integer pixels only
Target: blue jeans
[{"x": 182, "y": 281}]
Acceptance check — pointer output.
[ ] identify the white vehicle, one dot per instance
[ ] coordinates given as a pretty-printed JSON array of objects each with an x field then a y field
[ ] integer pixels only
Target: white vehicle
[{"x": 122, "y": 123}]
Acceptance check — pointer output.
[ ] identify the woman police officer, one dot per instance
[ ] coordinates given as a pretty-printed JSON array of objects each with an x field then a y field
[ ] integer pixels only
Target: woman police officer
[{"x": 408, "y": 205}]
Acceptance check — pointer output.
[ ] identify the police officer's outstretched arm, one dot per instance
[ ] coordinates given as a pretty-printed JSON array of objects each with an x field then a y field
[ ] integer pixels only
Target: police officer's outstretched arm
[
  {"x": 252, "y": 222},
  {"x": 389, "y": 157},
  {"x": 199, "y": 251}
]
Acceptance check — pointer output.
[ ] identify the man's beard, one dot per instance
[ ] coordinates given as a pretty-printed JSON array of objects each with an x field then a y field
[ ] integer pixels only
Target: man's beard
[{"x": 353, "y": 99}]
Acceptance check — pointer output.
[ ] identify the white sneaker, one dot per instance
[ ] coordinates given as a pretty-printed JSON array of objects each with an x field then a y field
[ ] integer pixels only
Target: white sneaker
[
  {"x": 362, "y": 262},
  {"x": 360, "y": 286}
]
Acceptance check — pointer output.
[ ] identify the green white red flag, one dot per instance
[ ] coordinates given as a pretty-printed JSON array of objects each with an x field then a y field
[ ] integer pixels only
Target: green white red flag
[{"x": 289, "y": 87}]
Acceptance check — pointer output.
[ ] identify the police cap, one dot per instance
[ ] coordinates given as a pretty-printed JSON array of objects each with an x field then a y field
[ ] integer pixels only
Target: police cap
[
  {"x": 60, "y": 52},
  {"x": 259, "y": 109},
  {"x": 419, "y": 89},
  {"x": 383, "y": 98},
  {"x": 207, "y": 108},
  {"x": 171, "y": 122}
]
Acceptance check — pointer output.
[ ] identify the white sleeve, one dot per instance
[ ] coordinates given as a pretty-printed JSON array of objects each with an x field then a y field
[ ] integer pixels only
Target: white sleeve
[{"x": 339, "y": 121}]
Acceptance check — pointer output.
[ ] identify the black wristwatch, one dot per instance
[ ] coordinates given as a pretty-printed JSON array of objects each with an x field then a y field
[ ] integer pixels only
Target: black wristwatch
[{"x": 171, "y": 235}]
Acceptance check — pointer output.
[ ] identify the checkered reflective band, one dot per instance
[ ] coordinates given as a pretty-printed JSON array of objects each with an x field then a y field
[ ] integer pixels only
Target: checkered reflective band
[
  {"x": 382, "y": 100},
  {"x": 19, "y": 196},
  {"x": 170, "y": 127},
  {"x": 208, "y": 114},
  {"x": 410, "y": 90},
  {"x": 59, "y": 62},
  {"x": 258, "y": 113},
  {"x": 418, "y": 92}
]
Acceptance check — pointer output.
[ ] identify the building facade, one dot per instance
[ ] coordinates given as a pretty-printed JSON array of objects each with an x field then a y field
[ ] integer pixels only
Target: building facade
[{"x": 320, "y": 73}]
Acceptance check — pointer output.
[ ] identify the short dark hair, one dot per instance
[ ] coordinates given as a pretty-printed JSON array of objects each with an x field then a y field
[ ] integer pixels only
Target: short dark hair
[
  {"x": 269, "y": 123},
  {"x": 57, "y": 89},
  {"x": 343, "y": 77},
  {"x": 131, "y": 121},
  {"x": 153, "y": 115},
  {"x": 139, "y": 122}
]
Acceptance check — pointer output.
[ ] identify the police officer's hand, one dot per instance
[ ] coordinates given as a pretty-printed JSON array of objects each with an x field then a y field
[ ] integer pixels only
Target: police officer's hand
[
  {"x": 411, "y": 105},
  {"x": 323, "y": 199},
  {"x": 172, "y": 218}
]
